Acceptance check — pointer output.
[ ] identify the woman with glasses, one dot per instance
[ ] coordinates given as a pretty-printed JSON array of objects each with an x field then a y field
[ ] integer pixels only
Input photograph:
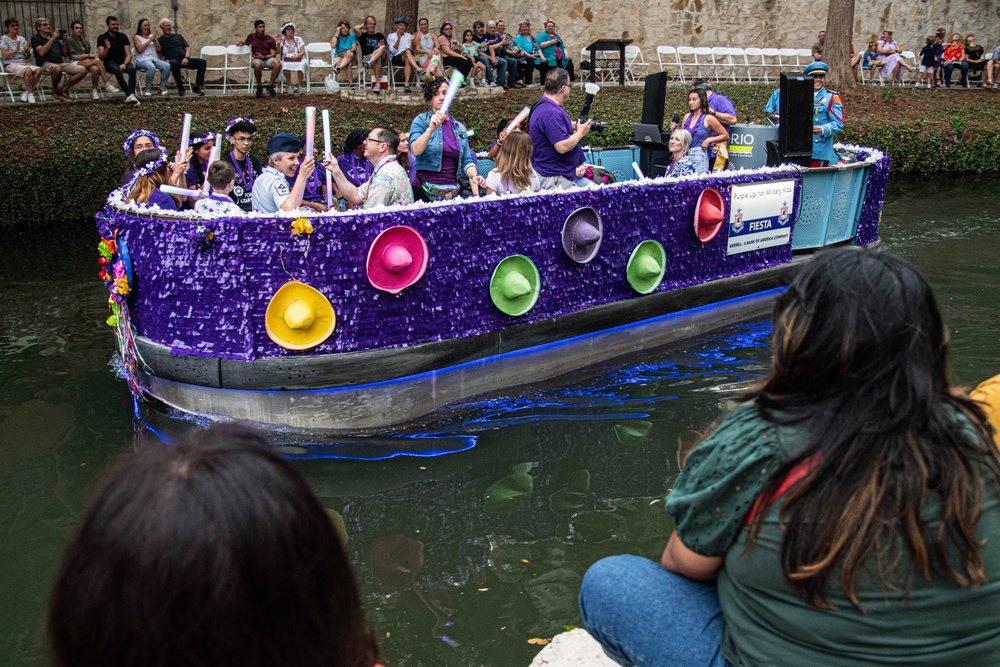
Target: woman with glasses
[
  {"x": 240, "y": 132},
  {"x": 14, "y": 50},
  {"x": 440, "y": 146},
  {"x": 451, "y": 51}
]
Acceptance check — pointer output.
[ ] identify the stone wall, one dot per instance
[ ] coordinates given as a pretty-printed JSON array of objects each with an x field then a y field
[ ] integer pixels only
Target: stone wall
[{"x": 779, "y": 23}]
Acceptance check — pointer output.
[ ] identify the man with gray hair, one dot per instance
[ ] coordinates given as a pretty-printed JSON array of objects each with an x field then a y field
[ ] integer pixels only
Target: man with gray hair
[
  {"x": 270, "y": 191},
  {"x": 555, "y": 137},
  {"x": 176, "y": 51},
  {"x": 49, "y": 48}
]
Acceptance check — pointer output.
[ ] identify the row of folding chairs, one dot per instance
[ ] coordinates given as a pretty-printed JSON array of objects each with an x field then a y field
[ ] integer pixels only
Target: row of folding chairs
[{"x": 607, "y": 65}]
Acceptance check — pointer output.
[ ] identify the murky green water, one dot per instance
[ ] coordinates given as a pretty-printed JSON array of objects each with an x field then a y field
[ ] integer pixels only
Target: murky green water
[{"x": 463, "y": 557}]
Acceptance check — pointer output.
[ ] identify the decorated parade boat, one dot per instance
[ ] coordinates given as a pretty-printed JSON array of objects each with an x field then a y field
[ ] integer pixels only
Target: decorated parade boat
[{"x": 357, "y": 320}]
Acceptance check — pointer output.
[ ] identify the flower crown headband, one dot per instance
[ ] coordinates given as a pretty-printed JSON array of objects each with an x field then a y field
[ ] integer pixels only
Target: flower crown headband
[
  {"x": 286, "y": 25},
  {"x": 239, "y": 119},
  {"x": 154, "y": 165},
  {"x": 130, "y": 140}
]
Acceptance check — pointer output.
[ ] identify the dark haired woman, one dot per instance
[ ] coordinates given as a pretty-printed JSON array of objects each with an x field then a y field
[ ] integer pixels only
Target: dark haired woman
[
  {"x": 214, "y": 552},
  {"x": 201, "y": 147},
  {"x": 136, "y": 143},
  {"x": 82, "y": 54},
  {"x": 704, "y": 127},
  {"x": 451, "y": 51},
  {"x": 439, "y": 145},
  {"x": 352, "y": 161},
  {"x": 147, "y": 57},
  {"x": 847, "y": 514}
]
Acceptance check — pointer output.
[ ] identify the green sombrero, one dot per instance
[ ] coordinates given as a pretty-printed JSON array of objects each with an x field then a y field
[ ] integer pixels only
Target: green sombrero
[
  {"x": 646, "y": 266},
  {"x": 515, "y": 285}
]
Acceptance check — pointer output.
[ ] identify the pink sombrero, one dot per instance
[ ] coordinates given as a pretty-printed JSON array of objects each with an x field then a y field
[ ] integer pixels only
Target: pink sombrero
[
  {"x": 709, "y": 213},
  {"x": 397, "y": 259}
]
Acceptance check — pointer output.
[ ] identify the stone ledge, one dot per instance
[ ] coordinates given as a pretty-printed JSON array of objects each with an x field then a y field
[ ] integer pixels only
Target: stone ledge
[{"x": 575, "y": 648}]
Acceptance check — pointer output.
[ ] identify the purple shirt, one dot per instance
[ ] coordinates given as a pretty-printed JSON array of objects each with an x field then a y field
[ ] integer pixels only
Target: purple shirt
[
  {"x": 548, "y": 125},
  {"x": 722, "y": 104},
  {"x": 161, "y": 199},
  {"x": 314, "y": 185},
  {"x": 450, "y": 155},
  {"x": 356, "y": 169}
]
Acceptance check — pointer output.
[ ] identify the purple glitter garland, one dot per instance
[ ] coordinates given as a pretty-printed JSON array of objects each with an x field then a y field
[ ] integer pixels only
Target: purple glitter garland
[{"x": 212, "y": 303}]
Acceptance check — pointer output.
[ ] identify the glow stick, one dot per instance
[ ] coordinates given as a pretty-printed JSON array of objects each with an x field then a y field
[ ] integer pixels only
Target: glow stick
[
  {"x": 310, "y": 131},
  {"x": 213, "y": 157},
  {"x": 456, "y": 81},
  {"x": 185, "y": 134},
  {"x": 327, "y": 150},
  {"x": 518, "y": 119},
  {"x": 181, "y": 192},
  {"x": 638, "y": 172}
]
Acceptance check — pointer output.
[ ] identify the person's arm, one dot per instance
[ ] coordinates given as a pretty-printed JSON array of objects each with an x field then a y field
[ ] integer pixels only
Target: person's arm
[
  {"x": 294, "y": 198},
  {"x": 347, "y": 189},
  {"x": 43, "y": 49},
  {"x": 883, "y": 49},
  {"x": 103, "y": 47},
  {"x": 715, "y": 126},
  {"x": 128, "y": 51},
  {"x": 681, "y": 560},
  {"x": 4, "y": 53},
  {"x": 273, "y": 51},
  {"x": 571, "y": 142},
  {"x": 420, "y": 145},
  {"x": 475, "y": 180},
  {"x": 358, "y": 28},
  {"x": 301, "y": 53}
]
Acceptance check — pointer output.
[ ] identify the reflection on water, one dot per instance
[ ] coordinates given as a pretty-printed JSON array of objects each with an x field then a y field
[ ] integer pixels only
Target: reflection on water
[{"x": 462, "y": 557}]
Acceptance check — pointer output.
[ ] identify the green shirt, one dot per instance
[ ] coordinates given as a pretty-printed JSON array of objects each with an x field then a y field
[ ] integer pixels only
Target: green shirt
[
  {"x": 77, "y": 47},
  {"x": 768, "y": 623}
]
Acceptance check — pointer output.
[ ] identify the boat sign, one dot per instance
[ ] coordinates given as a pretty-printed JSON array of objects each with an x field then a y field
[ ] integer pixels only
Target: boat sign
[{"x": 760, "y": 216}]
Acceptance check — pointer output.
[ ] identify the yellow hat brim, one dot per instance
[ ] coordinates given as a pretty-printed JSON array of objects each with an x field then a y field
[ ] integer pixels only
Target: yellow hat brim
[{"x": 299, "y": 339}]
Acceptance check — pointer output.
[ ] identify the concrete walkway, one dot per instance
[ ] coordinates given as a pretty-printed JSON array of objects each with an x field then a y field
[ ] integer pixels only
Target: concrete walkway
[{"x": 575, "y": 648}]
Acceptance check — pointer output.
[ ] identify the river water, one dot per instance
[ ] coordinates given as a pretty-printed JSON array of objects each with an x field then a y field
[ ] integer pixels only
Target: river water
[{"x": 462, "y": 557}]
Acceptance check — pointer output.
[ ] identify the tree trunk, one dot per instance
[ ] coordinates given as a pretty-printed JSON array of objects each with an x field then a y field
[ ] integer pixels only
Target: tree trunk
[
  {"x": 407, "y": 9},
  {"x": 837, "y": 52}
]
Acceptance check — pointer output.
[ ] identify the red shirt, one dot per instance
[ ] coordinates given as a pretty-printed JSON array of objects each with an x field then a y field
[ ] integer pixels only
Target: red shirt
[
  {"x": 261, "y": 47},
  {"x": 954, "y": 52}
]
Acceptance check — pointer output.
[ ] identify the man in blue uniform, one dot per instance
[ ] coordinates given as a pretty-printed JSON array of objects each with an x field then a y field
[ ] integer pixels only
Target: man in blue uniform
[{"x": 828, "y": 116}]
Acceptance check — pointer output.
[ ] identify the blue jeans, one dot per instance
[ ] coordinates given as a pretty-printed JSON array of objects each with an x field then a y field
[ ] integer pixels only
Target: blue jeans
[
  {"x": 642, "y": 614},
  {"x": 501, "y": 69},
  {"x": 950, "y": 67},
  {"x": 151, "y": 67},
  {"x": 511, "y": 69}
]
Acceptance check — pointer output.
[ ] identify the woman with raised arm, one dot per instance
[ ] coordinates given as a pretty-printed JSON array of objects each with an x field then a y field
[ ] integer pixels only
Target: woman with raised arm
[
  {"x": 147, "y": 57},
  {"x": 847, "y": 513}
]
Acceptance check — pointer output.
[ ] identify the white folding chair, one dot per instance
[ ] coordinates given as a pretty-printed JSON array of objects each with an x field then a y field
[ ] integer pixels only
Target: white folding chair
[
  {"x": 702, "y": 58},
  {"x": 635, "y": 64},
  {"x": 667, "y": 57},
  {"x": 236, "y": 56},
  {"x": 754, "y": 57},
  {"x": 803, "y": 57},
  {"x": 787, "y": 58},
  {"x": 910, "y": 58},
  {"x": 318, "y": 51},
  {"x": 685, "y": 57},
  {"x": 722, "y": 61},
  {"x": 210, "y": 54},
  {"x": 6, "y": 77},
  {"x": 771, "y": 59}
]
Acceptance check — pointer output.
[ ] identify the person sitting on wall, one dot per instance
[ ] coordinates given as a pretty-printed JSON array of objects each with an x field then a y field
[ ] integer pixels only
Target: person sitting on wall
[
  {"x": 555, "y": 137},
  {"x": 270, "y": 191},
  {"x": 221, "y": 178},
  {"x": 218, "y": 541},
  {"x": 14, "y": 51},
  {"x": 399, "y": 44},
  {"x": 511, "y": 51},
  {"x": 451, "y": 52},
  {"x": 954, "y": 56},
  {"x": 114, "y": 49},
  {"x": 49, "y": 48},
  {"x": 499, "y": 45},
  {"x": 345, "y": 49},
  {"x": 240, "y": 132},
  {"x": 487, "y": 56},
  {"x": 82, "y": 53},
  {"x": 974, "y": 56},
  {"x": 263, "y": 51},
  {"x": 176, "y": 51},
  {"x": 389, "y": 183},
  {"x": 373, "y": 49},
  {"x": 817, "y": 51},
  {"x": 531, "y": 55},
  {"x": 828, "y": 116}
]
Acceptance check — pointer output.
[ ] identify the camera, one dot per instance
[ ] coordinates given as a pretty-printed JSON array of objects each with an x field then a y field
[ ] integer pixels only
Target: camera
[
  {"x": 61, "y": 33},
  {"x": 596, "y": 126}
]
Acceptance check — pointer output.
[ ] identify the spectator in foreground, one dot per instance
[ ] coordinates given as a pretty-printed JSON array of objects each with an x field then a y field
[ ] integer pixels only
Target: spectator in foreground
[
  {"x": 553, "y": 49},
  {"x": 147, "y": 57},
  {"x": 293, "y": 53},
  {"x": 373, "y": 49},
  {"x": 213, "y": 552},
  {"x": 345, "y": 51},
  {"x": 14, "y": 51},
  {"x": 114, "y": 49},
  {"x": 399, "y": 44},
  {"x": 555, "y": 138},
  {"x": 176, "y": 51},
  {"x": 49, "y": 48},
  {"x": 813, "y": 526},
  {"x": 389, "y": 183},
  {"x": 263, "y": 54},
  {"x": 82, "y": 53},
  {"x": 954, "y": 56}
]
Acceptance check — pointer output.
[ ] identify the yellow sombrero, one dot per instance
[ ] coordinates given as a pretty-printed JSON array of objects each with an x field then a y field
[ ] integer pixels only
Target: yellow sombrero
[{"x": 299, "y": 316}]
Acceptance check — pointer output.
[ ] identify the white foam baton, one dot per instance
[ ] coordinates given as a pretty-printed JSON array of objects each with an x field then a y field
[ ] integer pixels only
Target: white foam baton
[
  {"x": 638, "y": 172},
  {"x": 182, "y": 192},
  {"x": 327, "y": 150},
  {"x": 456, "y": 81},
  {"x": 518, "y": 119},
  {"x": 214, "y": 156},
  {"x": 185, "y": 134},
  {"x": 310, "y": 132}
]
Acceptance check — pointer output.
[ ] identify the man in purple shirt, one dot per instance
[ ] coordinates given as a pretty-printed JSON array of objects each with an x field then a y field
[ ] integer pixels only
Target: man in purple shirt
[
  {"x": 719, "y": 106},
  {"x": 556, "y": 154},
  {"x": 263, "y": 54}
]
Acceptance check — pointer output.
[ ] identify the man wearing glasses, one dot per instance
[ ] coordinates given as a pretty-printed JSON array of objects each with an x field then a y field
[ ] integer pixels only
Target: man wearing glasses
[
  {"x": 556, "y": 154},
  {"x": 49, "y": 49},
  {"x": 389, "y": 183},
  {"x": 240, "y": 132}
]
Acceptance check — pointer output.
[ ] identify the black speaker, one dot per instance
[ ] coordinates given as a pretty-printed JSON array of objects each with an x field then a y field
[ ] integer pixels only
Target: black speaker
[
  {"x": 796, "y": 124},
  {"x": 653, "y": 99}
]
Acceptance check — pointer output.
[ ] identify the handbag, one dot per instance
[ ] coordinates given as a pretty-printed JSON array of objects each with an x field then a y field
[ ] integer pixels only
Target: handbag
[{"x": 436, "y": 192}]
